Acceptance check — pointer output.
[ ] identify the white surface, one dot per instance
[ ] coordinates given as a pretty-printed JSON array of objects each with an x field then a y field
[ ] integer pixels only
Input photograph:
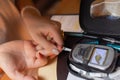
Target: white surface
[
  {"x": 72, "y": 77},
  {"x": 69, "y": 23}
]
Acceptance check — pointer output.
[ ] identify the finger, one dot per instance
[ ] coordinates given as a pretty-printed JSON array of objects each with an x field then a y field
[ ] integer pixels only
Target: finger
[
  {"x": 47, "y": 45},
  {"x": 12, "y": 70},
  {"x": 35, "y": 43},
  {"x": 52, "y": 56},
  {"x": 43, "y": 52},
  {"x": 57, "y": 37},
  {"x": 20, "y": 76},
  {"x": 29, "y": 49},
  {"x": 59, "y": 47},
  {"x": 59, "y": 34},
  {"x": 14, "y": 74},
  {"x": 47, "y": 53},
  {"x": 40, "y": 61},
  {"x": 38, "y": 47}
]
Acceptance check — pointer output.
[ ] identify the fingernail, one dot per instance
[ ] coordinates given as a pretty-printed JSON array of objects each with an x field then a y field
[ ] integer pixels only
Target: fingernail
[{"x": 55, "y": 51}]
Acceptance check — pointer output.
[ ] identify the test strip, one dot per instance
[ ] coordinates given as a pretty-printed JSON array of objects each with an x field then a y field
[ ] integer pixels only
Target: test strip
[{"x": 67, "y": 49}]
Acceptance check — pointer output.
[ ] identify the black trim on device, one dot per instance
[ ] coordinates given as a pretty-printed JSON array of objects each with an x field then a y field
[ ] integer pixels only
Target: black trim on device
[{"x": 99, "y": 25}]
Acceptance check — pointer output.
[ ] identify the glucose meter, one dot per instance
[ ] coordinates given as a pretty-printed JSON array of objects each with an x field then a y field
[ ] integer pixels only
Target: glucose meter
[{"x": 93, "y": 57}]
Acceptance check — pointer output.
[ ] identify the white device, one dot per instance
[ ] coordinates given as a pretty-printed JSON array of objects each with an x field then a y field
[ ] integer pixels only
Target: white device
[
  {"x": 97, "y": 56},
  {"x": 92, "y": 61}
]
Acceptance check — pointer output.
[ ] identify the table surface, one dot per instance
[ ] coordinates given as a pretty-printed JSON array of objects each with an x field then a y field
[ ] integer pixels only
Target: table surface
[{"x": 48, "y": 72}]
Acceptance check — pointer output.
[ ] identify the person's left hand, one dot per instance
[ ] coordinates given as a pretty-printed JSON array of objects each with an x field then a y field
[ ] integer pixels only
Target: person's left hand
[{"x": 18, "y": 56}]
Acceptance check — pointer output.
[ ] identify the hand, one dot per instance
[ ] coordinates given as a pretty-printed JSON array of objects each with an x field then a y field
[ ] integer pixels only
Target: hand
[
  {"x": 18, "y": 56},
  {"x": 3, "y": 30},
  {"x": 41, "y": 28}
]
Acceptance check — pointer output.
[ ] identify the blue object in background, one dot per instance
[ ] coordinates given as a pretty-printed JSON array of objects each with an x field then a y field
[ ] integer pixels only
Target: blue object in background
[
  {"x": 115, "y": 46},
  {"x": 93, "y": 42}
]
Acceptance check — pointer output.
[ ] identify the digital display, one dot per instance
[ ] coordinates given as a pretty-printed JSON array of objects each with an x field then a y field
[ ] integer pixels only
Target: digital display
[{"x": 99, "y": 56}]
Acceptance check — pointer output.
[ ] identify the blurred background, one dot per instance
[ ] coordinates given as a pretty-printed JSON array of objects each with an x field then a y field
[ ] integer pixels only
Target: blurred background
[{"x": 50, "y": 7}]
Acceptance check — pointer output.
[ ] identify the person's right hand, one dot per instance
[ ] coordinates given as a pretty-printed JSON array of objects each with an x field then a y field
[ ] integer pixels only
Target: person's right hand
[
  {"x": 40, "y": 29},
  {"x": 18, "y": 56}
]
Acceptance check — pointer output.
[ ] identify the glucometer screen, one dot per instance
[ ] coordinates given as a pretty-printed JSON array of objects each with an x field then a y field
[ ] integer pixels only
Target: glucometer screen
[{"x": 99, "y": 56}]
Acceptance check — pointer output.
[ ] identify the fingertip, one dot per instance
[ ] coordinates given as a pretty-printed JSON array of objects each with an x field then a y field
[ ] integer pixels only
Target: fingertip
[
  {"x": 48, "y": 53},
  {"x": 55, "y": 51},
  {"x": 41, "y": 59},
  {"x": 58, "y": 39},
  {"x": 29, "y": 78},
  {"x": 52, "y": 56},
  {"x": 44, "y": 59},
  {"x": 60, "y": 47}
]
